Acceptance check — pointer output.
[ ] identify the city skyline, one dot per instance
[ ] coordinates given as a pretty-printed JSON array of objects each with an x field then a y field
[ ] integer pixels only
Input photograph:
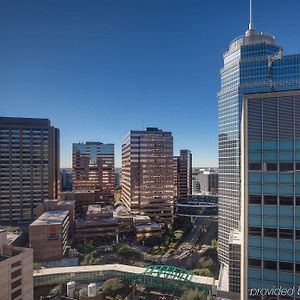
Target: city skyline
[{"x": 76, "y": 72}]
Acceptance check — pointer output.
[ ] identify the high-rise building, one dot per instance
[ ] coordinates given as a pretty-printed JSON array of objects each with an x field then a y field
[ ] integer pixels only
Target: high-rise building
[
  {"x": 29, "y": 166},
  {"x": 270, "y": 156},
  {"x": 93, "y": 168},
  {"x": 66, "y": 180},
  {"x": 182, "y": 166},
  {"x": 208, "y": 181},
  {"x": 16, "y": 270},
  {"x": 253, "y": 64},
  {"x": 118, "y": 178},
  {"x": 147, "y": 173}
]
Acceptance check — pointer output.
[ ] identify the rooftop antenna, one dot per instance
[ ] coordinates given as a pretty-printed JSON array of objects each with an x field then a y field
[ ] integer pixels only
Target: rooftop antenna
[{"x": 251, "y": 26}]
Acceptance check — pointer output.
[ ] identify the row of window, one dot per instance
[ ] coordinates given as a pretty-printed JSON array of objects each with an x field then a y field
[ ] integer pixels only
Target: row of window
[
  {"x": 273, "y": 167},
  {"x": 274, "y": 233},
  {"x": 274, "y": 200},
  {"x": 273, "y": 265}
]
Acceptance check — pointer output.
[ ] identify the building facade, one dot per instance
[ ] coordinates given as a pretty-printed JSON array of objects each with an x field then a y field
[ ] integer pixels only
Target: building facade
[
  {"x": 29, "y": 166},
  {"x": 16, "y": 271},
  {"x": 253, "y": 64},
  {"x": 50, "y": 231},
  {"x": 93, "y": 168},
  {"x": 147, "y": 173},
  {"x": 271, "y": 190},
  {"x": 183, "y": 175},
  {"x": 65, "y": 180},
  {"x": 208, "y": 181}
]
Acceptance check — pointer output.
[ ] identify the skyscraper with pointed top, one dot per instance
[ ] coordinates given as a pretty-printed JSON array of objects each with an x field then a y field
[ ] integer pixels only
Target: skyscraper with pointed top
[{"x": 253, "y": 64}]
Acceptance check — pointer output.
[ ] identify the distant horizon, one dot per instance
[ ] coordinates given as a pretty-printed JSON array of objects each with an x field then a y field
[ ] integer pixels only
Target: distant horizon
[{"x": 117, "y": 167}]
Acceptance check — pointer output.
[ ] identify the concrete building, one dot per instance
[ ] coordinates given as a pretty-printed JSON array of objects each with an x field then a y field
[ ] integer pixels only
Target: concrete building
[
  {"x": 145, "y": 228},
  {"x": 208, "y": 181},
  {"x": 93, "y": 168},
  {"x": 118, "y": 178},
  {"x": 83, "y": 199},
  {"x": 16, "y": 271},
  {"x": 50, "y": 231},
  {"x": 99, "y": 223},
  {"x": 29, "y": 166},
  {"x": 147, "y": 173},
  {"x": 66, "y": 180}
]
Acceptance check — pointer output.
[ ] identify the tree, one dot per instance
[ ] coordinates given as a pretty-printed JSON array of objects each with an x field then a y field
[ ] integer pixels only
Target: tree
[
  {"x": 152, "y": 241},
  {"x": 212, "y": 253},
  {"x": 206, "y": 263},
  {"x": 88, "y": 260},
  {"x": 214, "y": 244},
  {"x": 191, "y": 294},
  {"x": 113, "y": 287},
  {"x": 130, "y": 254},
  {"x": 178, "y": 234},
  {"x": 203, "y": 272},
  {"x": 36, "y": 266}
]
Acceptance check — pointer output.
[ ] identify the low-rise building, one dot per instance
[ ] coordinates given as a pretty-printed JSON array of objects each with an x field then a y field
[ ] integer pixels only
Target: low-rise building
[
  {"x": 99, "y": 223},
  {"x": 83, "y": 199},
  {"x": 16, "y": 271},
  {"x": 50, "y": 231},
  {"x": 144, "y": 227}
]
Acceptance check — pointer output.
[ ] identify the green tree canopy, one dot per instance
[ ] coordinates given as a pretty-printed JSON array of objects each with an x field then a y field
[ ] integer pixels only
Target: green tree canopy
[
  {"x": 191, "y": 294},
  {"x": 113, "y": 287}
]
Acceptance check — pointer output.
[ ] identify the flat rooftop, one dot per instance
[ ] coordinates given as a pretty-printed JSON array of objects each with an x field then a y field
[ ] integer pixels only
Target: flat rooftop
[{"x": 51, "y": 217}]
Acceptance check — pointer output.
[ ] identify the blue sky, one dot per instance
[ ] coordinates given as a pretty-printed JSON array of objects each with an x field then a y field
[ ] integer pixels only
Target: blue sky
[{"x": 99, "y": 68}]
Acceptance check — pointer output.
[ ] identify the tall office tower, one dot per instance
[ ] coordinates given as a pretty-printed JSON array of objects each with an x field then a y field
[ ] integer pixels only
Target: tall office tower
[
  {"x": 66, "y": 180},
  {"x": 29, "y": 166},
  {"x": 253, "y": 64},
  {"x": 175, "y": 177},
  {"x": 93, "y": 168},
  {"x": 270, "y": 157},
  {"x": 147, "y": 173},
  {"x": 208, "y": 182},
  {"x": 183, "y": 178}
]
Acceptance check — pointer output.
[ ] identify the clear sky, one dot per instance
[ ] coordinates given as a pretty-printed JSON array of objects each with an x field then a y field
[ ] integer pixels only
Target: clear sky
[{"x": 98, "y": 68}]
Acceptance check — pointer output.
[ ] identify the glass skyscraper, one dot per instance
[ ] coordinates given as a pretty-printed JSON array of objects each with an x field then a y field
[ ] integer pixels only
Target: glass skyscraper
[{"x": 253, "y": 64}]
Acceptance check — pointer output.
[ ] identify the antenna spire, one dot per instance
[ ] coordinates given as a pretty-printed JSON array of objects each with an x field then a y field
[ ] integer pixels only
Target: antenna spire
[{"x": 251, "y": 26}]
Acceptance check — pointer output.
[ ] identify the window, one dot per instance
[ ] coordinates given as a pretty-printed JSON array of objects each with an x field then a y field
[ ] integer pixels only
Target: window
[
  {"x": 269, "y": 167},
  {"x": 16, "y": 294},
  {"x": 284, "y": 266},
  {"x": 270, "y": 232},
  {"x": 286, "y": 200},
  {"x": 270, "y": 200},
  {"x": 297, "y": 234},
  {"x": 270, "y": 264},
  {"x": 297, "y": 201},
  {"x": 254, "y": 231},
  {"x": 254, "y": 199},
  {"x": 297, "y": 166},
  {"x": 286, "y": 233},
  {"x": 255, "y": 167},
  {"x": 286, "y": 167},
  {"x": 16, "y": 273},
  {"x": 254, "y": 262},
  {"x": 16, "y": 264},
  {"x": 16, "y": 284}
]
